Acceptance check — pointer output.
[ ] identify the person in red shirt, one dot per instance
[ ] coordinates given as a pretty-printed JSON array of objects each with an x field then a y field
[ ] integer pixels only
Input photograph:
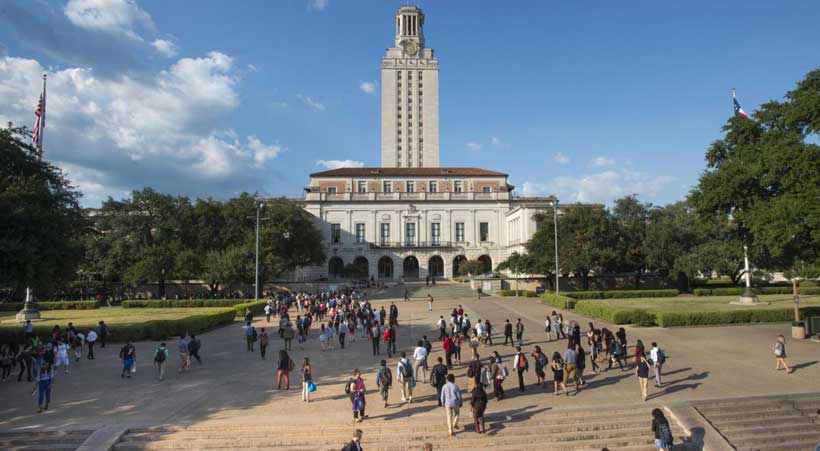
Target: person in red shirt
[{"x": 447, "y": 345}]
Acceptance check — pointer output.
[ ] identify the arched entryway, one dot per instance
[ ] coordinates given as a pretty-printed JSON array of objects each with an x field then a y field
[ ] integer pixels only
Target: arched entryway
[
  {"x": 486, "y": 264},
  {"x": 411, "y": 268},
  {"x": 385, "y": 268},
  {"x": 435, "y": 267},
  {"x": 456, "y": 262},
  {"x": 335, "y": 267},
  {"x": 361, "y": 267}
]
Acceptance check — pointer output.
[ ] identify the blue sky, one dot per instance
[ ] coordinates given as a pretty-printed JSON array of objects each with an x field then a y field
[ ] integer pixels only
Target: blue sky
[{"x": 589, "y": 101}]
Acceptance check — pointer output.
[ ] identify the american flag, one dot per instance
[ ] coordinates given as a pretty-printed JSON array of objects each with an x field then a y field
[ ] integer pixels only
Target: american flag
[
  {"x": 738, "y": 110},
  {"x": 40, "y": 122}
]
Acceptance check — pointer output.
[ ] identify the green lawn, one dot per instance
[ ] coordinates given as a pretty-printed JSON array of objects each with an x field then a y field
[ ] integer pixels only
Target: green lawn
[{"x": 125, "y": 324}]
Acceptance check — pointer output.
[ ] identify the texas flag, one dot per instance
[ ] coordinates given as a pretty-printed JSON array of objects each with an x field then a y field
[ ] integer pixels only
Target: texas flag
[{"x": 738, "y": 110}]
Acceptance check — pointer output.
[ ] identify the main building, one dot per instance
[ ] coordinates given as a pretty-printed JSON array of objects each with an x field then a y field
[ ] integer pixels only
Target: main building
[{"x": 411, "y": 218}]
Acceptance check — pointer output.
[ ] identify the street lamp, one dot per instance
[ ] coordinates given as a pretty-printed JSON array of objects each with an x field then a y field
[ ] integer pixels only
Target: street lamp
[
  {"x": 259, "y": 208},
  {"x": 554, "y": 205}
]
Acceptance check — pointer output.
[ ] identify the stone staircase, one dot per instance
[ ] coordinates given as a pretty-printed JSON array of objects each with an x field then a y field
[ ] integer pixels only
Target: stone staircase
[
  {"x": 625, "y": 429},
  {"x": 772, "y": 423},
  {"x": 39, "y": 440},
  {"x": 443, "y": 289}
]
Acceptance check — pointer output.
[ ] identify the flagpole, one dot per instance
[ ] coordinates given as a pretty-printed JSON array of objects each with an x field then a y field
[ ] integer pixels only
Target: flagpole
[{"x": 42, "y": 123}]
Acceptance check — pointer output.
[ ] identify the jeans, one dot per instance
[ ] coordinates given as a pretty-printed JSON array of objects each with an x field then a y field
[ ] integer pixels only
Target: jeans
[
  {"x": 195, "y": 354},
  {"x": 262, "y": 349},
  {"x": 452, "y": 418},
  {"x": 44, "y": 391},
  {"x": 91, "y": 350},
  {"x": 384, "y": 391},
  {"x": 25, "y": 366},
  {"x": 375, "y": 341},
  {"x": 249, "y": 340},
  {"x": 421, "y": 367},
  {"x": 160, "y": 370},
  {"x": 520, "y": 379},
  {"x": 658, "y": 367},
  {"x": 342, "y": 340},
  {"x": 442, "y": 334},
  {"x": 508, "y": 338}
]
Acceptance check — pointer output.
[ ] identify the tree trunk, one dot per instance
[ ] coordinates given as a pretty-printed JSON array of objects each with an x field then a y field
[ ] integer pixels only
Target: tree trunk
[
  {"x": 585, "y": 281},
  {"x": 161, "y": 287},
  {"x": 638, "y": 279}
]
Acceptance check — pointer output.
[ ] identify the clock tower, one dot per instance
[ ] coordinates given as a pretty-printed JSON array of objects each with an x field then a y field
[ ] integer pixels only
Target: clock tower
[{"x": 410, "y": 136}]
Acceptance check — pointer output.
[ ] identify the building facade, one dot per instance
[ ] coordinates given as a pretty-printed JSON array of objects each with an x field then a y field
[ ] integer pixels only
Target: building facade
[{"x": 411, "y": 218}]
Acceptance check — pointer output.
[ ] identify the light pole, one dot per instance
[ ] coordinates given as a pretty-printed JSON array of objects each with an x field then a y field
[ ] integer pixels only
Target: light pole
[
  {"x": 259, "y": 208},
  {"x": 554, "y": 205}
]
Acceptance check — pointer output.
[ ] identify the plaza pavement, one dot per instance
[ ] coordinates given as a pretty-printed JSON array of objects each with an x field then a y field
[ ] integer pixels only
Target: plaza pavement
[{"x": 235, "y": 386}]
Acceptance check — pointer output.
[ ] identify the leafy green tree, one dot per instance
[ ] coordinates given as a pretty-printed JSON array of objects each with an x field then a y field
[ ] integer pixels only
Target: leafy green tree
[
  {"x": 470, "y": 267},
  {"x": 630, "y": 218},
  {"x": 585, "y": 241},
  {"x": 42, "y": 224},
  {"x": 517, "y": 264},
  {"x": 764, "y": 176},
  {"x": 671, "y": 233},
  {"x": 541, "y": 247}
]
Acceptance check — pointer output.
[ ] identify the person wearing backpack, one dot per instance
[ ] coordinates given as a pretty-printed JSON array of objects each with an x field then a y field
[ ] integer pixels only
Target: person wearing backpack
[
  {"x": 658, "y": 358},
  {"x": 438, "y": 377},
  {"x": 521, "y": 366},
  {"x": 193, "y": 349},
  {"x": 642, "y": 371},
  {"x": 160, "y": 356},
  {"x": 541, "y": 362},
  {"x": 557, "y": 367},
  {"x": 283, "y": 369},
  {"x": 508, "y": 330},
  {"x": 570, "y": 366},
  {"x": 663, "y": 433},
  {"x": 384, "y": 379},
  {"x": 355, "y": 389},
  {"x": 263, "y": 341},
  {"x": 307, "y": 380},
  {"x": 355, "y": 443},
  {"x": 519, "y": 332},
  {"x": 404, "y": 375}
]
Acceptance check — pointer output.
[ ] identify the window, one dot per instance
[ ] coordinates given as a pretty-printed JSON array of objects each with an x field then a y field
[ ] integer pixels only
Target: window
[
  {"x": 460, "y": 232},
  {"x": 411, "y": 187},
  {"x": 484, "y": 231},
  {"x": 487, "y": 189},
  {"x": 335, "y": 233},
  {"x": 433, "y": 187},
  {"x": 420, "y": 75},
  {"x": 331, "y": 190},
  {"x": 362, "y": 186},
  {"x": 384, "y": 235},
  {"x": 435, "y": 233},
  {"x": 387, "y": 187},
  {"x": 409, "y": 75},
  {"x": 457, "y": 186},
  {"x": 409, "y": 233},
  {"x": 360, "y": 232},
  {"x": 399, "y": 74}
]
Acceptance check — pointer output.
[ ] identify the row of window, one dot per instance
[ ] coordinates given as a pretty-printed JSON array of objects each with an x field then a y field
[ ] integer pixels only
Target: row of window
[
  {"x": 410, "y": 187},
  {"x": 409, "y": 75},
  {"x": 409, "y": 233}
]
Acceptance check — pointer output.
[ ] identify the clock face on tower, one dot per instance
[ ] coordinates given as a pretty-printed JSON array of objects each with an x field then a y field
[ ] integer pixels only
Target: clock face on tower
[{"x": 411, "y": 48}]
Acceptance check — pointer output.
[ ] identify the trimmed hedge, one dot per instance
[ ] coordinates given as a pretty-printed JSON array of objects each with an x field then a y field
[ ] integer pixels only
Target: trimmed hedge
[
  {"x": 562, "y": 302},
  {"x": 51, "y": 305},
  {"x": 524, "y": 293},
  {"x": 760, "y": 290},
  {"x": 256, "y": 307},
  {"x": 614, "y": 314},
  {"x": 758, "y": 315},
  {"x": 183, "y": 303},
  {"x": 149, "y": 330},
  {"x": 623, "y": 294}
]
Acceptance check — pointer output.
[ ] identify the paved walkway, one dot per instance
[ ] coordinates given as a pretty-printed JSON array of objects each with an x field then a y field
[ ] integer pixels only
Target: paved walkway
[{"x": 235, "y": 385}]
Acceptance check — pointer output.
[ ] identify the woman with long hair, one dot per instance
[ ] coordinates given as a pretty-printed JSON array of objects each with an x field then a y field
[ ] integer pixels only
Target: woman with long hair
[
  {"x": 285, "y": 365},
  {"x": 662, "y": 431}
]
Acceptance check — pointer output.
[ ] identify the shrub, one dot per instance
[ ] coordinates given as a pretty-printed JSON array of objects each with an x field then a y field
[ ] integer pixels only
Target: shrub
[
  {"x": 51, "y": 305},
  {"x": 184, "y": 303},
  {"x": 562, "y": 302},
  {"x": 524, "y": 293},
  {"x": 256, "y": 307},
  {"x": 150, "y": 330},
  {"x": 623, "y": 294},
  {"x": 612, "y": 313}
]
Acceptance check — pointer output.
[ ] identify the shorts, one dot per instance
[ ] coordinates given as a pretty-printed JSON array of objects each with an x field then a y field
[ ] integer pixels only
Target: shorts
[
  {"x": 662, "y": 444},
  {"x": 61, "y": 361}
]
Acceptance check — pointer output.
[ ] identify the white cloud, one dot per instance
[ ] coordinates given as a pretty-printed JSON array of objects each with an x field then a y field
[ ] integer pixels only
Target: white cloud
[
  {"x": 108, "y": 15},
  {"x": 336, "y": 164},
  {"x": 164, "y": 129},
  {"x": 368, "y": 87},
  {"x": 318, "y": 5},
  {"x": 601, "y": 187},
  {"x": 560, "y": 158},
  {"x": 311, "y": 102},
  {"x": 472, "y": 145},
  {"x": 166, "y": 48},
  {"x": 252, "y": 68},
  {"x": 600, "y": 162},
  {"x": 495, "y": 141}
]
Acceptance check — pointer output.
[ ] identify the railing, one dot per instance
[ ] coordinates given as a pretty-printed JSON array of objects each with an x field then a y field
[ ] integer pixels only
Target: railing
[
  {"x": 421, "y": 244},
  {"x": 399, "y": 196}
]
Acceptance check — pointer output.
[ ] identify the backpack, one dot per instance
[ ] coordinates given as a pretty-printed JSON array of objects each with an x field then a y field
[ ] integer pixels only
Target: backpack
[
  {"x": 385, "y": 378},
  {"x": 661, "y": 357},
  {"x": 254, "y": 336},
  {"x": 347, "y": 386},
  {"x": 504, "y": 372},
  {"x": 523, "y": 364},
  {"x": 406, "y": 370},
  {"x": 542, "y": 360},
  {"x": 160, "y": 357}
]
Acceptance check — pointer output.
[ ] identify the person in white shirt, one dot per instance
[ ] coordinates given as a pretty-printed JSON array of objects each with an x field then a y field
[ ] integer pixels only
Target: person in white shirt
[
  {"x": 654, "y": 355},
  {"x": 91, "y": 338},
  {"x": 442, "y": 328},
  {"x": 404, "y": 375},
  {"x": 481, "y": 332},
  {"x": 61, "y": 355},
  {"x": 420, "y": 356}
]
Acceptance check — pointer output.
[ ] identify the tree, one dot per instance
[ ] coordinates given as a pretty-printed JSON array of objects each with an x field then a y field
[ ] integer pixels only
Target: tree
[
  {"x": 630, "y": 218},
  {"x": 470, "y": 267},
  {"x": 42, "y": 223},
  {"x": 585, "y": 241},
  {"x": 517, "y": 264},
  {"x": 764, "y": 176},
  {"x": 541, "y": 247},
  {"x": 670, "y": 234}
]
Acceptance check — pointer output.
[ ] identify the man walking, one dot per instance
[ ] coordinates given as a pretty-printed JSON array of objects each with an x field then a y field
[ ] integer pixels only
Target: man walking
[
  {"x": 404, "y": 374},
  {"x": 442, "y": 328},
  {"x": 160, "y": 356},
  {"x": 384, "y": 379},
  {"x": 91, "y": 338},
  {"x": 519, "y": 332},
  {"x": 193, "y": 348},
  {"x": 429, "y": 302},
  {"x": 451, "y": 398},
  {"x": 375, "y": 337},
  {"x": 182, "y": 348},
  {"x": 438, "y": 377},
  {"x": 103, "y": 333},
  {"x": 570, "y": 367},
  {"x": 354, "y": 444},
  {"x": 508, "y": 330},
  {"x": 128, "y": 354},
  {"x": 521, "y": 366},
  {"x": 658, "y": 358},
  {"x": 420, "y": 357},
  {"x": 263, "y": 342}
]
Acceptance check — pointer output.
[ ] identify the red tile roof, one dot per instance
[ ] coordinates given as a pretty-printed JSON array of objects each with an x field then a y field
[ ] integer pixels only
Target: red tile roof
[{"x": 408, "y": 172}]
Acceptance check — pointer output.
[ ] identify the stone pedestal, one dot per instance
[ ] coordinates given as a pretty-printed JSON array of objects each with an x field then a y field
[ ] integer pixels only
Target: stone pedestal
[
  {"x": 799, "y": 330},
  {"x": 28, "y": 313},
  {"x": 748, "y": 297}
]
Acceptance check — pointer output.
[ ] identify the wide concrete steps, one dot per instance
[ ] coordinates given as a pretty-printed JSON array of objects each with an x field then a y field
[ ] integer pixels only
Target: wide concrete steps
[
  {"x": 418, "y": 291},
  {"x": 775, "y": 423},
  {"x": 42, "y": 440},
  {"x": 621, "y": 428}
]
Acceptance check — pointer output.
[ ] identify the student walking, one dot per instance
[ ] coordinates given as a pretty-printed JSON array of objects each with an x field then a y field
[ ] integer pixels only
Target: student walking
[
  {"x": 376, "y": 337},
  {"x": 263, "y": 342},
  {"x": 43, "y": 381},
  {"x": 570, "y": 366},
  {"x": 642, "y": 371},
  {"x": 658, "y": 358},
  {"x": 91, "y": 339},
  {"x": 420, "y": 358},
  {"x": 404, "y": 375},
  {"x": 451, "y": 398},
  {"x": 384, "y": 379},
  {"x": 355, "y": 443},
  {"x": 508, "y": 330},
  {"x": 498, "y": 372},
  {"x": 323, "y": 337},
  {"x": 160, "y": 357},
  {"x": 488, "y": 328},
  {"x": 307, "y": 379},
  {"x": 194, "y": 345},
  {"x": 182, "y": 348},
  {"x": 478, "y": 403},
  {"x": 557, "y": 367},
  {"x": 519, "y": 332},
  {"x": 128, "y": 354},
  {"x": 250, "y": 337},
  {"x": 342, "y": 333},
  {"x": 102, "y": 332},
  {"x": 780, "y": 355},
  {"x": 541, "y": 362},
  {"x": 285, "y": 366},
  {"x": 356, "y": 390},
  {"x": 438, "y": 377},
  {"x": 521, "y": 366},
  {"x": 442, "y": 328},
  {"x": 429, "y": 303},
  {"x": 663, "y": 433},
  {"x": 580, "y": 363},
  {"x": 61, "y": 356}
]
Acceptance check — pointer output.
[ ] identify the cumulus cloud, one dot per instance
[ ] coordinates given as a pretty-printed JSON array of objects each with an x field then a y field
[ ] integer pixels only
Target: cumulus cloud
[
  {"x": 318, "y": 5},
  {"x": 368, "y": 87},
  {"x": 472, "y": 145},
  {"x": 108, "y": 15},
  {"x": 600, "y": 162},
  {"x": 601, "y": 187},
  {"x": 336, "y": 164},
  {"x": 166, "y": 130},
  {"x": 311, "y": 102},
  {"x": 560, "y": 158},
  {"x": 165, "y": 47}
]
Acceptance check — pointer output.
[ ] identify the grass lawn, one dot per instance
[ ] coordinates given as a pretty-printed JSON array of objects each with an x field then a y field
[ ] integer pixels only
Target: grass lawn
[{"x": 133, "y": 323}]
